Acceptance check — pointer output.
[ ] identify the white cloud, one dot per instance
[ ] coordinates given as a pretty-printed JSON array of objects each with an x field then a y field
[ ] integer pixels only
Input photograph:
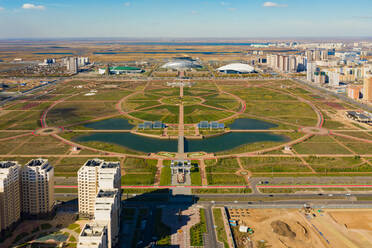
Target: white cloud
[
  {"x": 33, "y": 6},
  {"x": 127, "y": 4},
  {"x": 194, "y": 12},
  {"x": 224, "y": 3},
  {"x": 273, "y": 5},
  {"x": 231, "y": 9}
]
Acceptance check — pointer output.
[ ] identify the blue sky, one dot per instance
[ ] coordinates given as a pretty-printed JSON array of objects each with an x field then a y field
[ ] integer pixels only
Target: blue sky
[{"x": 185, "y": 18}]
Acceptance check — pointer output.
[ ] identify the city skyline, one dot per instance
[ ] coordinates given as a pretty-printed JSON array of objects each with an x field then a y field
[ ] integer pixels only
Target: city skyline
[{"x": 167, "y": 19}]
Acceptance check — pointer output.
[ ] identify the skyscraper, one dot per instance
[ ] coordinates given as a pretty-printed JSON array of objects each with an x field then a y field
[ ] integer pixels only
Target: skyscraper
[
  {"x": 10, "y": 194},
  {"x": 37, "y": 188},
  {"x": 367, "y": 88},
  {"x": 88, "y": 186},
  {"x": 96, "y": 174},
  {"x": 107, "y": 212},
  {"x": 72, "y": 65}
]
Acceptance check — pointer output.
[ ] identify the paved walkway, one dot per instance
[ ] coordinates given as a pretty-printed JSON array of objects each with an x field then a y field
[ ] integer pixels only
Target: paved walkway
[
  {"x": 158, "y": 172},
  {"x": 203, "y": 173},
  {"x": 181, "y": 131},
  {"x": 180, "y": 224}
]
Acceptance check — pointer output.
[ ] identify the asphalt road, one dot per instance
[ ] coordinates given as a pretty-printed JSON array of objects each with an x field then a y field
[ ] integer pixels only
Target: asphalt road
[
  {"x": 325, "y": 195},
  {"x": 211, "y": 234},
  {"x": 340, "y": 96},
  {"x": 34, "y": 90}
]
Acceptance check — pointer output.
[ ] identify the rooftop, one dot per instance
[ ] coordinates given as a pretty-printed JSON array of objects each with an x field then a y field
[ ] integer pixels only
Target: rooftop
[
  {"x": 7, "y": 164},
  {"x": 36, "y": 162},
  {"x": 110, "y": 165},
  {"x": 92, "y": 230},
  {"x": 237, "y": 67},
  {"x": 106, "y": 194},
  {"x": 93, "y": 162}
]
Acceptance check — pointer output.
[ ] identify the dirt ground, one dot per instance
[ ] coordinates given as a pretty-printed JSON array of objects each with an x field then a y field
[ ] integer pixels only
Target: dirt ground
[
  {"x": 346, "y": 228},
  {"x": 277, "y": 228}
]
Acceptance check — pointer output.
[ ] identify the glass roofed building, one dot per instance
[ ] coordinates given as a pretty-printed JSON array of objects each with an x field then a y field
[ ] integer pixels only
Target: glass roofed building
[{"x": 181, "y": 63}]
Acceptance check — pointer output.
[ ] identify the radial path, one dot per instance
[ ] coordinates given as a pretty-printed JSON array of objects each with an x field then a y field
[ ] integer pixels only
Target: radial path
[{"x": 181, "y": 132}]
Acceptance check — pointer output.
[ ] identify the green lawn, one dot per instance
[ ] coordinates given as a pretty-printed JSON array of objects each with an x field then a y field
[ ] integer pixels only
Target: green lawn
[
  {"x": 195, "y": 175},
  {"x": 220, "y": 228},
  {"x": 197, "y": 231},
  {"x": 338, "y": 164},
  {"x": 162, "y": 231},
  {"x": 140, "y": 165},
  {"x": 222, "y": 165},
  {"x": 165, "y": 176},
  {"x": 137, "y": 179},
  {"x": 320, "y": 145},
  {"x": 197, "y": 113},
  {"x": 222, "y": 191},
  {"x": 225, "y": 179},
  {"x": 273, "y": 164}
]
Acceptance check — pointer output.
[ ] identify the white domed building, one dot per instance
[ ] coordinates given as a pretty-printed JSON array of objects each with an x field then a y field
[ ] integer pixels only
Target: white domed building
[
  {"x": 236, "y": 68},
  {"x": 181, "y": 64}
]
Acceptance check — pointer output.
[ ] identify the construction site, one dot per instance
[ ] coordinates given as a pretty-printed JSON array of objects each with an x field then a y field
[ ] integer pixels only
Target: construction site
[{"x": 302, "y": 228}]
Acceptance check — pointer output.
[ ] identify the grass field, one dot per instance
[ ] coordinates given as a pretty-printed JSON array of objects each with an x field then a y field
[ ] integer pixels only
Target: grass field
[
  {"x": 166, "y": 177},
  {"x": 220, "y": 228},
  {"x": 197, "y": 113},
  {"x": 222, "y": 165},
  {"x": 225, "y": 179},
  {"x": 320, "y": 145},
  {"x": 162, "y": 231},
  {"x": 197, "y": 231},
  {"x": 133, "y": 165},
  {"x": 195, "y": 174},
  {"x": 137, "y": 179},
  {"x": 273, "y": 164},
  {"x": 338, "y": 164}
]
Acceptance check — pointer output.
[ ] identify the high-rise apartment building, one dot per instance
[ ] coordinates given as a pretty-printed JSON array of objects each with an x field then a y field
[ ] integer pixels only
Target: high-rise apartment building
[
  {"x": 109, "y": 176},
  {"x": 93, "y": 236},
  {"x": 96, "y": 174},
  {"x": 354, "y": 91},
  {"x": 37, "y": 188},
  {"x": 72, "y": 64},
  {"x": 82, "y": 61},
  {"x": 107, "y": 212},
  {"x": 10, "y": 194},
  {"x": 367, "y": 88},
  {"x": 88, "y": 186}
]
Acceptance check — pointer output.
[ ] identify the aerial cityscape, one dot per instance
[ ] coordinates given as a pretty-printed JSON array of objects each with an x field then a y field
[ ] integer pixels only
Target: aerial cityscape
[{"x": 186, "y": 124}]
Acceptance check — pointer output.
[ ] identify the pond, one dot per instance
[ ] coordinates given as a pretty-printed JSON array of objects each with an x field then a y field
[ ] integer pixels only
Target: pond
[
  {"x": 110, "y": 124},
  {"x": 250, "y": 124},
  {"x": 213, "y": 144}
]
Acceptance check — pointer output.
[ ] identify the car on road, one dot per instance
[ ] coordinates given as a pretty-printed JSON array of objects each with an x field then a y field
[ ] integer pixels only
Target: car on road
[
  {"x": 348, "y": 194},
  {"x": 330, "y": 194}
]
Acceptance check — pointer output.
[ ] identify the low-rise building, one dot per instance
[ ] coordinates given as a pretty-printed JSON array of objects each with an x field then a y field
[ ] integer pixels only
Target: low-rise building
[{"x": 121, "y": 70}]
